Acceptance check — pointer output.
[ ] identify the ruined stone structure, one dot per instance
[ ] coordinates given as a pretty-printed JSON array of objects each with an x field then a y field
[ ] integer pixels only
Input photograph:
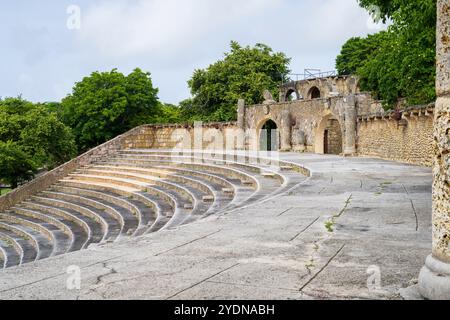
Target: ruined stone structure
[
  {"x": 331, "y": 116},
  {"x": 435, "y": 276}
]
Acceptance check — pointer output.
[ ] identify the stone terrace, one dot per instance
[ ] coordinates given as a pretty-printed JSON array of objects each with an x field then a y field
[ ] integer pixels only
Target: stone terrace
[{"x": 267, "y": 239}]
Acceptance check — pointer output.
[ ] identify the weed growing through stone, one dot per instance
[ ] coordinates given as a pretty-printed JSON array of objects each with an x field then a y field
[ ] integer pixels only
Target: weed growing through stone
[{"x": 329, "y": 225}]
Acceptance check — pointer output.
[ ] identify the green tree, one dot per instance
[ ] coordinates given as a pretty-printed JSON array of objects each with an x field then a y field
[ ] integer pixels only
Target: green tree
[
  {"x": 16, "y": 165},
  {"x": 168, "y": 113},
  {"x": 37, "y": 131},
  {"x": 400, "y": 62},
  {"x": 107, "y": 104},
  {"x": 356, "y": 51},
  {"x": 47, "y": 139},
  {"x": 244, "y": 73}
]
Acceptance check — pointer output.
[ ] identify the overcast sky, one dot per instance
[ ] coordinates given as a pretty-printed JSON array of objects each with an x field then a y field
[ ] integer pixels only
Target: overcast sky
[{"x": 41, "y": 58}]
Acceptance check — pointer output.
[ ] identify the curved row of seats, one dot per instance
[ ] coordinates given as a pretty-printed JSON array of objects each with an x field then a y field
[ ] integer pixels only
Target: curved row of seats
[{"x": 136, "y": 192}]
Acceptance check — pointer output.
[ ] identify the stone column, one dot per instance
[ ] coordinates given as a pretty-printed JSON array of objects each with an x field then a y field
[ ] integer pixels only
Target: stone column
[
  {"x": 241, "y": 114},
  {"x": 285, "y": 131},
  {"x": 434, "y": 280},
  {"x": 241, "y": 134},
  {"x": 350, "y": 126}
]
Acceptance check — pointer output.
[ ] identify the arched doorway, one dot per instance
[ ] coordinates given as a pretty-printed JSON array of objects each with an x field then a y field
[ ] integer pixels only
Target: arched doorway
[
  {"x": 314, "y": 93},
  {"x": 268, "y": 140},
  {"x": 329, "y": 136}
]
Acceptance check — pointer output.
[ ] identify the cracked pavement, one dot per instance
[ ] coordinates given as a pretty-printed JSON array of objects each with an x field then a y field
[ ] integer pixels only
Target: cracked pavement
[{"x": 280, "y": 249}]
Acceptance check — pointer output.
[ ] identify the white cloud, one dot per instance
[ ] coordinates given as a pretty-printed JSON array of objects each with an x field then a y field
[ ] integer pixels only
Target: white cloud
[{"x": 161, "y": 27}]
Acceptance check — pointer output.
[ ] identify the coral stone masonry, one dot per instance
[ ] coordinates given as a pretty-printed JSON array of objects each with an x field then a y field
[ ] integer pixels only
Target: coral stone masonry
[{"x": 435, "y": 276}]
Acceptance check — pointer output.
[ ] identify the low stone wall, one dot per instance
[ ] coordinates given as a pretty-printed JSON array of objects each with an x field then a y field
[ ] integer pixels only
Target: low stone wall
[
  {"x": 408, "y": 140},
  {"x": 220, "y": 136}
]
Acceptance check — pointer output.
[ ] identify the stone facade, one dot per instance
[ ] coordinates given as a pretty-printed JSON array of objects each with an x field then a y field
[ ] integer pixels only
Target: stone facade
[
  {"x": 326, "y": 87},
  {"x": 220, "y": 136},
  {"x": 343, "y": 121}
]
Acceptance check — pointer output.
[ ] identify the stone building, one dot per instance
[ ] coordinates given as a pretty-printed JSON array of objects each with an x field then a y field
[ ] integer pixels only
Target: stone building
[{"x": 332, "y": 116}]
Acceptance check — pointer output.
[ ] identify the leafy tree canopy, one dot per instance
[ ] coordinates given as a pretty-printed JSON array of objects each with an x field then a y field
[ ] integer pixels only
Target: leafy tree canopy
[
  {"x": 37, "y": 131},
  {"x": 245, "y": 73},
  {"x": 107, "y": 104},
  {"x": 400, "y": 62},
  {"x": 17, "y": 166}
]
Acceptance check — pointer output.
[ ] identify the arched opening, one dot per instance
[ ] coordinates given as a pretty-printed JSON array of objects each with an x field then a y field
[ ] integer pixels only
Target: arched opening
[
  {"x": 329, "y": 136},
  {"x": 291, "y": 95},
  {"x": 268, "y": 140},
  {"x": 314, "y": 93}
]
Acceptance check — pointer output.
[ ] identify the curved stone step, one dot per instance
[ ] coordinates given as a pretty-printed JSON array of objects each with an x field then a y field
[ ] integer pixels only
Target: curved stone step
[
  {"x": 266, "y": 173},
  {"x": 225, "y": 184},
  {"x": 3, "y": 257},
  {"x": 98, "y": 225},
  {"x": 203, "y": 191},
  {"x": 113, "y": 217},
  {"x": 11, "y": 251},
  {"x": 146, "y": 181},
  {"x": 176, "y": 201},
  {"x": 81, "y": 230},
  {"x": 131, "y": 213},
  {"x": 231, "y": 173},
  {"x": 145, "y": 211},
  {"x": 30, "y": 248},
  {"x": 45, "y": 237},
  {"x": 267, "y": 186},
  {"x": 156, "y": 211},
  {"x": 261, "y": 159},
  {"x": 43, "y": 240},
  {"x": 62, "y": 233},
  {"x": 233, "y": 188},
  {"x": 290, "y": 174}
]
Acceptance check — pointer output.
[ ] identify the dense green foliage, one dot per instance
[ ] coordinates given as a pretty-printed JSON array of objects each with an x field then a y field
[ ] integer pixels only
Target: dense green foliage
[
  {"x": 400, "y": 62},
  {"x": 245, "y": 72},
  {"x": 31, "y": 137},
  {"x": 107, "y": 104},
  {"x": 16, "y": 164}
]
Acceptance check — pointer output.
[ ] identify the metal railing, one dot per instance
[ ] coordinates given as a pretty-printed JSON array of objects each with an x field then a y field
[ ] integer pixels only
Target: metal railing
[{"x": 310, "y": 74}]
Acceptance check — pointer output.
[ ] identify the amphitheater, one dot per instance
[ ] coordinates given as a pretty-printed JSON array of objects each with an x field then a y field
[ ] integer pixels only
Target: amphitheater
[
  {"x": 319, "y": 195},
  {"x": 216, "y": 211}
]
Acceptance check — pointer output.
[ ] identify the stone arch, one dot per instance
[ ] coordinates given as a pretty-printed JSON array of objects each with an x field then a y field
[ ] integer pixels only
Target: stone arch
[
  {"x": 268, "y": 135},
  {"x": 329, "y": 136},
  {"x": 291, "y": 92},
  {"x": 314, "y": 93}
]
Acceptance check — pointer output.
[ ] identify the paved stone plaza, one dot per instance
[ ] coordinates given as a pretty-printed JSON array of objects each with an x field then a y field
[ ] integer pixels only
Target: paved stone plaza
[{"x": 324, "y": 239}]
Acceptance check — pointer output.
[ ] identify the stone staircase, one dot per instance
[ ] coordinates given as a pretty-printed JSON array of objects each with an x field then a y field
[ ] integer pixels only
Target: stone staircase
[{"x": 133, "y": 193}]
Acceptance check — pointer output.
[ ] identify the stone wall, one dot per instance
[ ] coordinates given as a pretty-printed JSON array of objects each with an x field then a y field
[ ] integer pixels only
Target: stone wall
[
  {"x": 408, "y": 140},
  {"x": 220, "y": 136}
]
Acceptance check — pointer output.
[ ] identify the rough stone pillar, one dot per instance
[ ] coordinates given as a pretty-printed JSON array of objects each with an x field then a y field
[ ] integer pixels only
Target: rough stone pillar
[
  {"x": 285, "y": 131},
  {"x": 241, "y": 114},
  {"x": 350, "y": 126},
  {"x": 299, "y": 140},
  {"x": 241, "y": 124},
  {"x": 434, "y": 280}
]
